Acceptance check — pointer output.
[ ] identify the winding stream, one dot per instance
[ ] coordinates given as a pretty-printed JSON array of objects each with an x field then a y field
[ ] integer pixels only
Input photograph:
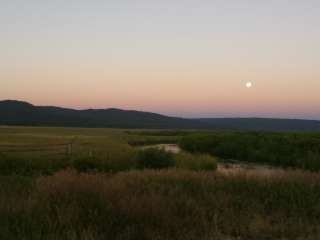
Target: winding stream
[
  {"x": 227, "y": 166},
  {"x": 173, "y": 148}
]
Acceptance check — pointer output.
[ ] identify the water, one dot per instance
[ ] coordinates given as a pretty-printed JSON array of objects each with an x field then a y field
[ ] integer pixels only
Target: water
[
  {"x": 172, "y": 148},
  {"x": 227, "y": 167},
  {"x": 236, "y": 167}
]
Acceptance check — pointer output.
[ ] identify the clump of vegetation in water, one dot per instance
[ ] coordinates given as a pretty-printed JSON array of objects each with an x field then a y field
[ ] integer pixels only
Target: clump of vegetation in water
[{"x": 153, "y": 158}]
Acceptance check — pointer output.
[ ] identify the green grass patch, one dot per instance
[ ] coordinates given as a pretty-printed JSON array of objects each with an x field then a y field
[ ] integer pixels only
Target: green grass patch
[
  {"x": 196, "y": 162},
  {"x": 30, "y": 165}
]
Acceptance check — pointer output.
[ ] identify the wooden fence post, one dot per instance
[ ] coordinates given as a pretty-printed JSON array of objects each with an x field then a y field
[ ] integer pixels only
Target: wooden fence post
[{"x": 69, "y": 149}]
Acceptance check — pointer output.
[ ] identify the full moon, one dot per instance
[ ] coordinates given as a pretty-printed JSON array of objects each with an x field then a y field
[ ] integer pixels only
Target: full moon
[{"x": 249, "y": 84}]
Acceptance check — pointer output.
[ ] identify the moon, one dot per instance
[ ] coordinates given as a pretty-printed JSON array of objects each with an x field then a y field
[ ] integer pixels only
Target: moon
[{"x": 249, "y": 84}]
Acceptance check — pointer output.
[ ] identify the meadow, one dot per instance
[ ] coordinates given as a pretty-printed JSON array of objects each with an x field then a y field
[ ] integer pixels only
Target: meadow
[
  {"x": 100, "y": 150},
  {"x": 109, "y": 188}
]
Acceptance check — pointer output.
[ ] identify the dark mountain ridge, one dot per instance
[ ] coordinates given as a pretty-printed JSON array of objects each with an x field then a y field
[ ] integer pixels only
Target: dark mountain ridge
[{"x": 22, "y": 113}]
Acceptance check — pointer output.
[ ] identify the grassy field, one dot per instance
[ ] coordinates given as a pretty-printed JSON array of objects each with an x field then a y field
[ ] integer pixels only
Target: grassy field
[
  {"x": 103, "y": 150},
  {"x": 109, "y": 189}
]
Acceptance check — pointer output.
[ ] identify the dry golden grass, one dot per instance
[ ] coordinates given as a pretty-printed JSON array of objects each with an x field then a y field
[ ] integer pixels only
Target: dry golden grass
[{"x": 167, "y": 204}]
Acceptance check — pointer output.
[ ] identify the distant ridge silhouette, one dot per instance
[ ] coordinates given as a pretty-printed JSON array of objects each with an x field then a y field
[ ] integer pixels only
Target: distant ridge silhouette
[{"x": 14, "y": 112}]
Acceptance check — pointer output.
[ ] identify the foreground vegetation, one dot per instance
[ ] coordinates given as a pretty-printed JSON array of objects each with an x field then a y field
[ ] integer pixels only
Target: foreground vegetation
[
  {"x": 295, "y": 150},
  {"x": 160, "y": 205},
  {"x": 107, "y": 189},
  {"x": 151, "y": 158}
]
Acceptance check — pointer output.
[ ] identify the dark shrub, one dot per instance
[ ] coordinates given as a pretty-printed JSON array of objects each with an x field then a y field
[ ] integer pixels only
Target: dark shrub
[
  {"x": 85, "y": 164},
  {"x": 153, "y": 158},
  {"x": 13, "y": 165},
  {"x": 295, "y": 150},
  {"x": 30, "y": 165}
]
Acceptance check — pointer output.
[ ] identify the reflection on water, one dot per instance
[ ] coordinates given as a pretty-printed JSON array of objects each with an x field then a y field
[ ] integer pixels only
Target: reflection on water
[
  {"x": 228, "y": 166},
  {"x": 236, "y": 167},
  {"x": 173, "y": 148}
]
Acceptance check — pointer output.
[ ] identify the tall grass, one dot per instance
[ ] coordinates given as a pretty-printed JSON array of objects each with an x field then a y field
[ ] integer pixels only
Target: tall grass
[
  {"x": 196, "y": 162},
  {"x": 160, "y": 205},
  {"x": 26, "y": 165},
  {"x": 111, "y": 162}
]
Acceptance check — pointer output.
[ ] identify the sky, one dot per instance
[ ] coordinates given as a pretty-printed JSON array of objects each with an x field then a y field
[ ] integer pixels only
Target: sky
[{"x": 175, "y": 57}]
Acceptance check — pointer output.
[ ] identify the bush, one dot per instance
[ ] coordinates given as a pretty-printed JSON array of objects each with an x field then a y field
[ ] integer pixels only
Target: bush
[
  {"x": 85, "y": 164},
  {"x": 14, "y": 165},
  {"x": 124, "y": 160},
  {"x": 154, "y": 158},
  {"x": 196, "y": 162}
]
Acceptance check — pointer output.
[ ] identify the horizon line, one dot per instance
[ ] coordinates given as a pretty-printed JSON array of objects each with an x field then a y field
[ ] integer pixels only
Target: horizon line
[{"x": 165, "y": 115}]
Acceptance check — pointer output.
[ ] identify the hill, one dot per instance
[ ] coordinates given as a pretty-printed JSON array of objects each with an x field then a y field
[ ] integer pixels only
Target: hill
[
  {"x": 270, "y": 124},
  {"x": 22, "y": 113}
]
